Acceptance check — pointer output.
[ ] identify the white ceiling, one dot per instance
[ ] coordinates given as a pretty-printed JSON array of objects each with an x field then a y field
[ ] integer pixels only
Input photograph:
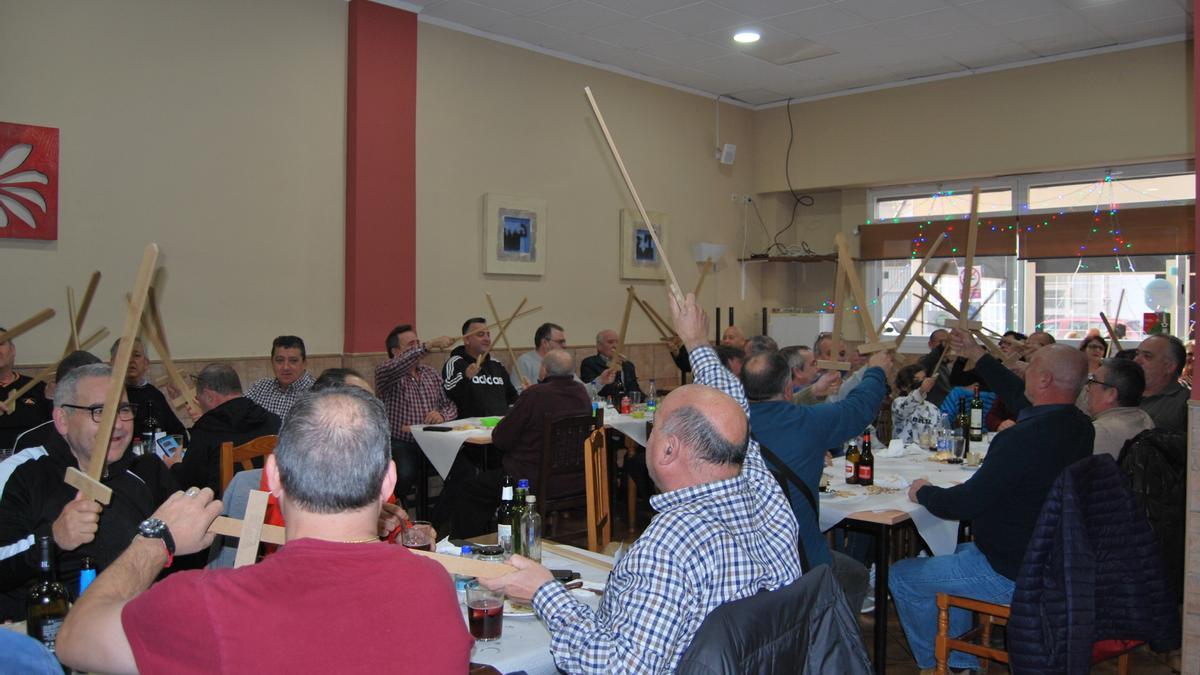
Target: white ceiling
[{"x": 688, "y": 43}]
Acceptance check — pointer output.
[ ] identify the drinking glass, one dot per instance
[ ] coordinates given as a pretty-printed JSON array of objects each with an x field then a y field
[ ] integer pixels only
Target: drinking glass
[
  {"x": 635, "y": 397},
  {"x": 485, "y": 612},
  {"x": 418, "y": 535}
]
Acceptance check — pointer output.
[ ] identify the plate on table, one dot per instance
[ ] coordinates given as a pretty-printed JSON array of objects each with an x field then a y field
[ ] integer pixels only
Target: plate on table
[
  {"x": 892, "y": 481},
  {"x": 517, "y": 611},
  {"x": 841, "y": 497}
]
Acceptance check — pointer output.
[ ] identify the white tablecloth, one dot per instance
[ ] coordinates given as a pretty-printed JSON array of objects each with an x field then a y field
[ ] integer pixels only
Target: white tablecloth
[
  {"x": 441, "y": 447},
  {"x": 628, "y": 425},
  {"x": 524, "y": 642},
  {"x": 941, "y": 535}
]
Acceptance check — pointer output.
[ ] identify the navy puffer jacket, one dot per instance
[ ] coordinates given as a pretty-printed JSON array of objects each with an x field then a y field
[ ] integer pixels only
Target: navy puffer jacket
[{"x": 1092, "y": 572}]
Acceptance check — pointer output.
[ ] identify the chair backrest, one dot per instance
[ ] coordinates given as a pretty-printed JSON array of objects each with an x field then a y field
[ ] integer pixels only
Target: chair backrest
[
  {"x": 562, "y": 456},
  {"x": 1155, "y": 462},
  {"x": 804, "y": 627},
  {"x": 599, "y": 509},
  {"x": 243, "y": 455}
]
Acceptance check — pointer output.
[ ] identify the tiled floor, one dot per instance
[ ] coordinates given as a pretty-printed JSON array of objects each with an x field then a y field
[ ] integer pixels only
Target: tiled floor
[{"x": 900, "y": 662}]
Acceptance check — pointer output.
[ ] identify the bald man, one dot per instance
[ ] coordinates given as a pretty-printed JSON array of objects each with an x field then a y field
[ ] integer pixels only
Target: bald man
[
  {"x": 1002, "y": 499},
  {"x": 734, "y": 337},
  {"x": 723, "y": 531}
]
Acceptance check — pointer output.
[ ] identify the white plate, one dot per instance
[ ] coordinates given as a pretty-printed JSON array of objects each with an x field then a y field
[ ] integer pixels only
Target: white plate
[
  {"x": 510, "y": 612},
  {"x": 892, "y": 480}
]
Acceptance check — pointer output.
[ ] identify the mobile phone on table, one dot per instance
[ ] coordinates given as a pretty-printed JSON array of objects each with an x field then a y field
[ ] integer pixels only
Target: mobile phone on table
[
  {"x": 564, "y": 575},
  {"x": 438, "y": 428}
]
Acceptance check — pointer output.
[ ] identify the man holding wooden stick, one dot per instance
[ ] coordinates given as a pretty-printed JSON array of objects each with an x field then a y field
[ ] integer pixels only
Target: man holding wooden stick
[
  {"x": 607, "y": 360},
  {"x": 37, "y": 501},
  {"x": 334, "y": 582},
  {"x": 478, "y": 384}
]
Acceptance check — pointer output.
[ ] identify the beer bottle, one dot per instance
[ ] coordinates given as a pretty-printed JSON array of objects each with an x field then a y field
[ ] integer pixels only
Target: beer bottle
[
  {"x": 976, "y": 417},
  {"x": 48, "y": 602},
  {"x": 866, "y": 461},
  {"x": 518, "y": 510},
  {"x": 504, "y": 516},
  {"x": 852, "y": 458}
]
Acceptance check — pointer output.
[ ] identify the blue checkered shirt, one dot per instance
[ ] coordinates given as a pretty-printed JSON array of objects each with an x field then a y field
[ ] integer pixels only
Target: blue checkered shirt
[{"x": 709, "y": 544}]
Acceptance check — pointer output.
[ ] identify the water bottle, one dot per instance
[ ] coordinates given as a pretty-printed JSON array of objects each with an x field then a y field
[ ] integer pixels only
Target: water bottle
[
  {"x": 531, "y": 530},
  {"x": 461, "y": 581}
]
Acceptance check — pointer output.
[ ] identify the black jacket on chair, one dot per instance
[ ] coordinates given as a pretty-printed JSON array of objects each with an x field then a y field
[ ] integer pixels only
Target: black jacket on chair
[
  {"x": 1092, "y": 572},
  {"x": 1155, "y": 461},
  {"x": 804, "y": 627}
]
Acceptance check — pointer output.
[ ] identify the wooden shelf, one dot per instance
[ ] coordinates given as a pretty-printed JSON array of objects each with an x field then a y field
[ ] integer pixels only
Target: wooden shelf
[{"x": 793, "y": 259}]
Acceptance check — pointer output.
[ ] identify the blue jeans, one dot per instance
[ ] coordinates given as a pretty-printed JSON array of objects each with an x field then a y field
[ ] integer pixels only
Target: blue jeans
[{"x": 915, "y": 583}]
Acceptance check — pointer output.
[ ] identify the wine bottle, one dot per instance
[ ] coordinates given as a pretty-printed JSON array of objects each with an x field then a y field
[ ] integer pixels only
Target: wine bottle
[
  {"x": 866, "y": 461},
  {"x": 48, "y": 602},
  {"x": 504, "y": 516},
  {"x": 976, "y": 417},
  {"x": 518, "y": 510}
]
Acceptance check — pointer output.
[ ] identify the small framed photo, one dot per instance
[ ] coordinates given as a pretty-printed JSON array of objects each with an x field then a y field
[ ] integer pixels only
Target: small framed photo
[
  {"x": 514, "y": 235},
  {"x": 640, "y": 258}
]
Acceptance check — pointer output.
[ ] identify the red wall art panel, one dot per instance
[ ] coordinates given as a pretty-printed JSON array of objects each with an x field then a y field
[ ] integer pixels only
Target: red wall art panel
[{"x": 28, "y": 182}]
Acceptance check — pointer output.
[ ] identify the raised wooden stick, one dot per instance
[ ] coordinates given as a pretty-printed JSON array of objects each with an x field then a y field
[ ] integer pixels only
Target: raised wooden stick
[
  {"x": 1116, "y": 320},
  {"x": 9, "y": 404},
  {"x": 568, "y": 553},
  {"x": 89, "y": 484},
  {"x": 612, "y": 146},
  {"x": 27, "y": 325},
  {"x": 151, "y": 329},
  {"x": 646, "y": 311},
  {"x": 912, "y": 280},
  {"x": 972, "y": 236},
  {"x": 152, "y": 307},
  {"x": 708, "y": 265},
  {"x": 629, "y": 296},
  {"x": 252, "y": 526},
  {"x": 86, "y": 303},
  {"x": 1112, "y": 335},
  {"x": 948, "y": 306},
  {"x": 73, "y": 341},
  {"x": 494, "y": 325},
  {"x": 503, "y": 329},
  {"x": 511, "y": 355},
  {"x": 658, "y": 320},
  {"x": 835, "y": 343},
  {"x": 911, "y": 318},
  {"x": 872, "y": 343}
]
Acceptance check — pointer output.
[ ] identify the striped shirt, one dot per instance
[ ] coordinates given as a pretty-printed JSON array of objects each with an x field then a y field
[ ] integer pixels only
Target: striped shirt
[
  {"x": 709, "y": 544},
  {"x": 268, "y": 394},
  {"x": 408, "y": 395}
]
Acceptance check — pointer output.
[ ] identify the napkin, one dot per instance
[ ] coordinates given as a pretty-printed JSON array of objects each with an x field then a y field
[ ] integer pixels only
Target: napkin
[{"x": 897, "y": 448}]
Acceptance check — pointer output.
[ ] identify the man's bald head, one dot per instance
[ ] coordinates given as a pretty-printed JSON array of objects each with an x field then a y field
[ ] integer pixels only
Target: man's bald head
[
  {"x": 558, "y": 362},
  {"x": 706, "y": 422},
  {"x": 1055, "y": 375}
]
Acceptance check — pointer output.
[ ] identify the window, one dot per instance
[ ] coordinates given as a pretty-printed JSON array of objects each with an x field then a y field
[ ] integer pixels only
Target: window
[{"x": 943, "y": 204}]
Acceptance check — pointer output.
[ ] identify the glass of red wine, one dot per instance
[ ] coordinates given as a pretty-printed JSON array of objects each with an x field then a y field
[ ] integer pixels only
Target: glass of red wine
[
  {"x": 418, "y": 535},
  {"x": 485, "y": 612}
]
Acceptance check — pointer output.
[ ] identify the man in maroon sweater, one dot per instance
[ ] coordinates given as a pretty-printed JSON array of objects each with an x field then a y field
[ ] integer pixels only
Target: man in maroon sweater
[{"x": 519, "y": 438}]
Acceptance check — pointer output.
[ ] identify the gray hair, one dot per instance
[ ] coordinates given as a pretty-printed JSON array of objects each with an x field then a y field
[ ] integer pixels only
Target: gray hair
[
  {"x": 759, "y": 344},
  {"x": 693, "y": 429},
  {"x": 333, "y": 450},
  {"x": 795, "y": 356},
  {"x": 112, "y": 351},
  {"x": 558, "y": 362},
  {"x": 219, "y": 377},
  {"x": 765, "y": 376},
  {"x": 65, "y": 391}
]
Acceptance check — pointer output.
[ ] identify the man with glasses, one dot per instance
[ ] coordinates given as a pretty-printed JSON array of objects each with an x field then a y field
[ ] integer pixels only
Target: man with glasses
[
  {"x": 34, "y": 500},
  {"x": 548, "y": 337},
  {"x": 1113, "y": 394}
]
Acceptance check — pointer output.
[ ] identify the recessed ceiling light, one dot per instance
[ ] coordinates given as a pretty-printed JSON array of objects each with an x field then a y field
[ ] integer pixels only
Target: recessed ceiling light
[{"x": 746, "y": 36}]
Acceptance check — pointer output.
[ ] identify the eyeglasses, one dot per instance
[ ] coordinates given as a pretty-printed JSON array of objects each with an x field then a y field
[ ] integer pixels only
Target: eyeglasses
[
  {"x": 1092, "y": 380},
  {"x": 125, "y": 411}
]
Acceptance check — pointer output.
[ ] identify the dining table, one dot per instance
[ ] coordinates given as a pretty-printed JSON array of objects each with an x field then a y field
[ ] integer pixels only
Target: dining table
[{"x": 882, "y": 508}]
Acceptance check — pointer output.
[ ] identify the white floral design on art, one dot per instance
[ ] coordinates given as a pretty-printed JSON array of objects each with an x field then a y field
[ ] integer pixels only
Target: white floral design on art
[{"x": 12, "y": 160}]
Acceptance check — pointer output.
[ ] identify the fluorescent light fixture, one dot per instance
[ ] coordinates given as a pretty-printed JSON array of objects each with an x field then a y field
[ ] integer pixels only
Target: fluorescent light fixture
[{"x": 746, "y": 36}]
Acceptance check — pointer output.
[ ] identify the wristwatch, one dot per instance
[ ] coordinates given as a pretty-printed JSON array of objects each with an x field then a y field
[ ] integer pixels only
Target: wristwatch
[{"x": 153, "y": 528}]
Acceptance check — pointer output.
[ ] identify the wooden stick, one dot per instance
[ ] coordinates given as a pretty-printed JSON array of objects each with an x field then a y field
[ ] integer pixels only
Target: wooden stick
[
  {"x": 9, "y": 404},
  {"x": 612, "y": 146},
  {"x": 871, "y": 341},
  {"x": 252, "y": 526},
  {"x": 73, "y": 341},
  {"x": 468, "y": 567},
  {"x": 232, "y": 527},
  {"x": 86, "y": 304},
  {"x": 27, "y": 325},
  {"x": 835, "y": 344},
  {"x": 511, "y": 355},
  {"x": 911, "y": 318},
  {"x": 151, "y": 329},
  {"x": 645, "y": 310},
  {"x": 152, "y": 306},
  {"x": 1112, "y": 335},
  {"x": 948, "y": 306},
  {"x": 936, "y": 366},
  {"x": 625, "y": 318},
  {"x": 506, "y": 324},
  {"x": 708, "y": 265},
  {"x": 566, "y": 552},
  {"x": 972, "y": 236},
  {"x": 89, "y": 483},
  {"x": 904, "y": 292},
  {"x": 1116, "y": 320},
  {"x": 494, "y": 325},
  {"x": 664, "y": 328},
  {"x": 979, "y": 309}
]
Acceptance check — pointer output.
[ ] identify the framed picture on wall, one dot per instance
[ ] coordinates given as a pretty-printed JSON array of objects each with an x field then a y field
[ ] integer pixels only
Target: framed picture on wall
[
  {"x": 640, "y": 259},
  {"x": 514, "y": 235}
]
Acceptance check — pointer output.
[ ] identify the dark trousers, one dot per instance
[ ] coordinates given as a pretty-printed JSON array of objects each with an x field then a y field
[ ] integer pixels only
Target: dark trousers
[
  {"x": 408, "y": 456},
  {"x": 468, "y": 506}
]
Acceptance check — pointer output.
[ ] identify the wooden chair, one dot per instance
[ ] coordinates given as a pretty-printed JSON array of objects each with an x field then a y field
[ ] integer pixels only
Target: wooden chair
[
  {"x": 563, "y": 459},
  {"x": 991, "y": 614},
  {"x": 242, "y": 455},
  {"x": 599, "y": 510}
]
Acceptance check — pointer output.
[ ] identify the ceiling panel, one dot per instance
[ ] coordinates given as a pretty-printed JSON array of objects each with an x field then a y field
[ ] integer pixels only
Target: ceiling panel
[
  {"x": 810, "y": 22},
  {"x": 701, "y": 17},
  {"x": 633, "y": 34},
  {"x": 686, "y": 51},
  {"x": 761, "y": 9},
  {"x": 998, "y": 12},
  {"x": 892, "y": 9},
  {"x": 643, "y": 8},
  {"x": 578, "y": 16}
]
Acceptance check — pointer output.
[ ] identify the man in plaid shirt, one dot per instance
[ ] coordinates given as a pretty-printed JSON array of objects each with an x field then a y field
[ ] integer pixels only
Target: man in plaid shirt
[
  {"x": 289, "y": 360},
  {"x": 724, "y": 531},
  {"x": 412, "y": 394}
]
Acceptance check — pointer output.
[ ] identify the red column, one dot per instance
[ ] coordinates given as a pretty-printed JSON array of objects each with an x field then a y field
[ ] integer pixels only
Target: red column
[
  {"x": 1195, "y": 315},
  {"x": 380, "y": 173}
]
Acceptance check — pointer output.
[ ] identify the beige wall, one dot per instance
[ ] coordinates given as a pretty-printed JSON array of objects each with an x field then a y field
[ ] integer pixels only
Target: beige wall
[
  {"x": 495, "y": 118},
  {"x": 215, "y": 129},
  {"x": 1118, "y": 108}
]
